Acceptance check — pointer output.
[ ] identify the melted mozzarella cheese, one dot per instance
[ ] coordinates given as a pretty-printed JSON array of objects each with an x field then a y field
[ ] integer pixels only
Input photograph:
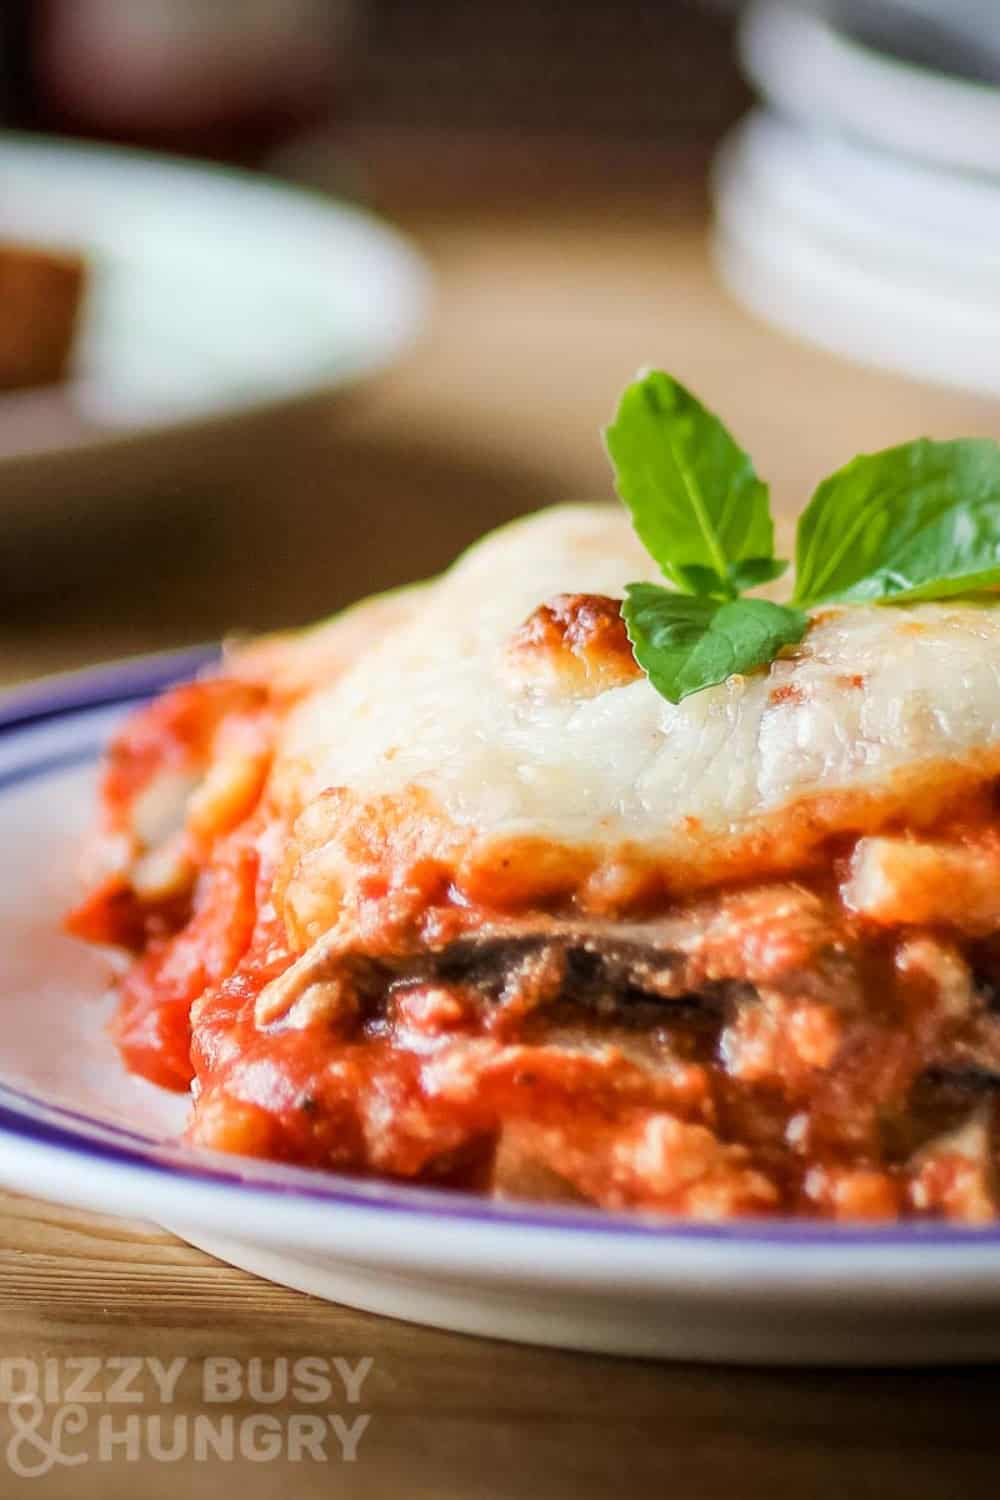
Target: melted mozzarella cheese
[{"x": 871, "y": 696}]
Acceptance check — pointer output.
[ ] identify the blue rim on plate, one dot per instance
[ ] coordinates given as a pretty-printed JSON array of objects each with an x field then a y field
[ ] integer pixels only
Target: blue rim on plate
[{"x": 30, "y": 1119}]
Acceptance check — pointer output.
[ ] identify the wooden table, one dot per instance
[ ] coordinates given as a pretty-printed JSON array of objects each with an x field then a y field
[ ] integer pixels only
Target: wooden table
[{"x": 546, "y": 304}]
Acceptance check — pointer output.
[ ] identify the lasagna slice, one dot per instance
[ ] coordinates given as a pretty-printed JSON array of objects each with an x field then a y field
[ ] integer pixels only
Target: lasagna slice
[{"x": 444, "y": 891}]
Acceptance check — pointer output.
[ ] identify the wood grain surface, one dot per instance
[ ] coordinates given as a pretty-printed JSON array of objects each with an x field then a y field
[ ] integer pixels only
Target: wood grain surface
[
  {"x": 460, "y": 1417},
  {"x": 546, "y": 304}
]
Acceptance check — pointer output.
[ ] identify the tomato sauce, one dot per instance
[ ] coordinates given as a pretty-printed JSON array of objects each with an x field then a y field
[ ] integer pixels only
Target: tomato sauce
[{"x": 820, "y": 1066}]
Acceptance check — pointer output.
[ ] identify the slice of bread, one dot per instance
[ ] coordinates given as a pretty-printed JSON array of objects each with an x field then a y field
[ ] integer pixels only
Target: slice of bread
[{"x": 41, "y": 293}]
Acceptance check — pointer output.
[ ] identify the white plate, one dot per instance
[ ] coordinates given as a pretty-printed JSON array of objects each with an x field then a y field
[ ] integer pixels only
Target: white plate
[
  {"x": 75, "y": 1128},
  {"x": 818, "y": 74},
  {"x": 891, "y": 264},
  {"x": 213, "y": 291},
  {"x": 936, "y": 231}
]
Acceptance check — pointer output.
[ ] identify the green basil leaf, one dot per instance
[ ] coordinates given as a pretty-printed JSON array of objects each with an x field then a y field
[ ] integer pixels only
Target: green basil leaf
[
  {"x": 749, "y": 574},
  {"x": 692, "y": 579},
  {"x": 754, "y": 571},
  {"x": 695, "y": 500},
  {"x": 921, "y": 521},
  {"x": 684, "y": 644}
]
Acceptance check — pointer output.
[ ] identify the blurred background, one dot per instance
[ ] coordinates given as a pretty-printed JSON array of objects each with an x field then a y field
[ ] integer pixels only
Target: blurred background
[{"x": 236, "y": 402}]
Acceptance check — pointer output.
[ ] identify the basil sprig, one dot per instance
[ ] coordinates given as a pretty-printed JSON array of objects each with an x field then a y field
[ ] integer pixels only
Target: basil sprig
[
  {"x": 684, "y": 643},
  {"x": 919, "y": 521},
  {"x": 696, "y": 502}
]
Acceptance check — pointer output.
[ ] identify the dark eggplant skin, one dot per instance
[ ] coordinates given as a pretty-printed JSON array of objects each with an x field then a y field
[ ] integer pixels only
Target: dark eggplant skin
[{"x": 636, "y": 974}]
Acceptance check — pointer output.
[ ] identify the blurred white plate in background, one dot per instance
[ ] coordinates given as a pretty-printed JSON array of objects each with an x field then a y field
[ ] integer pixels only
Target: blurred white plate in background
[
  {"x": 877, "y": 258},
  {"x": 819, "y": 74},
  {"x": 213, "y": 291},
  {"x": 939, "y": 230}
]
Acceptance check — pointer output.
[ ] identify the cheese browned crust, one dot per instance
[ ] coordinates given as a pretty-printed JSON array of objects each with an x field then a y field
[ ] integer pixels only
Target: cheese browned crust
[{"x": 449, "y": 724}]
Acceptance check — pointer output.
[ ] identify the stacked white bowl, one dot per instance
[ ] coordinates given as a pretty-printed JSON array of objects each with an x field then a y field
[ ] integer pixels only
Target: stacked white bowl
[{"x": 860, "y": 206}]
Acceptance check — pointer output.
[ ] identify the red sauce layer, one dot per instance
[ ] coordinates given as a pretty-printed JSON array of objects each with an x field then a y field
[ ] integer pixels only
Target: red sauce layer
[{"x": 799, "y": 1060}]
